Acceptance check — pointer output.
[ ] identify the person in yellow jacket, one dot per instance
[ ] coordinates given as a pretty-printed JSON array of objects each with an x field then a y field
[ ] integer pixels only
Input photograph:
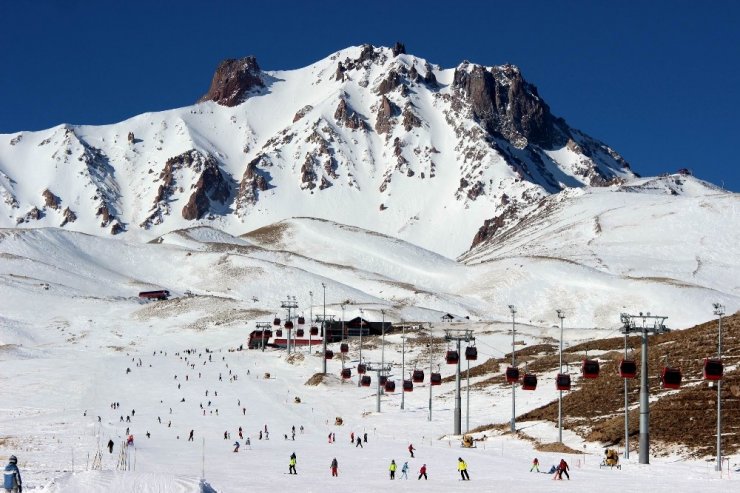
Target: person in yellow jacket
[
  {"x": 392, "y": 469},
  {"x": 463, "y": 468},
  {"x": 291, "y": 467}
]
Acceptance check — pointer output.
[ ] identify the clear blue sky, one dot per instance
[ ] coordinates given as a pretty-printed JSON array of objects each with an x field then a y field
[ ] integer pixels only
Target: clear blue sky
[{"x": 658, "y": 81}]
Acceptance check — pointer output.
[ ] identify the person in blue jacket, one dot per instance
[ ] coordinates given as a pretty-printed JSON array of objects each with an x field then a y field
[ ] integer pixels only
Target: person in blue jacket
[{"x": 12, "y": 476}]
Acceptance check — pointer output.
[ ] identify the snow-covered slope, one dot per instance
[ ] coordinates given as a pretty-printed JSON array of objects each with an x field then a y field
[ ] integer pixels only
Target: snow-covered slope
[{"x": 371, "y": 137}]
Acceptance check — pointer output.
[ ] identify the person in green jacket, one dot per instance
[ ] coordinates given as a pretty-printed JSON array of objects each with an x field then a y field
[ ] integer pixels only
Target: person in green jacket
[
  {"x": 462, "y": 466},
  {"x": 291, "y": 468},
  {"x": 392, "y": 469}
]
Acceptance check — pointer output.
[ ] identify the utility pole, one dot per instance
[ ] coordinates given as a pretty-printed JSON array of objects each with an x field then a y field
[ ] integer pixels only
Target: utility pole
[
  {"x": 430, "y": 372},
  {"x": 362, "y": 316},
  {"x": 628, "y": 327},
  {"x": 382, "y": 351},
  {"x": 263, "y": 326},
  {"x": 719, "y": 310},
  {"x": 513, "y": 363},
  {"x": 310, "y": 336},
  {"x": 289, "y": 304},
  {"x": 379, "y": 369},
  {"x": 561, "y": 316},
  {"x": 323, "y": 330},
  {"x": 458, "y": 335},
  {"x": 626, "y": 410},
  {"x": 403, "y": 361}
]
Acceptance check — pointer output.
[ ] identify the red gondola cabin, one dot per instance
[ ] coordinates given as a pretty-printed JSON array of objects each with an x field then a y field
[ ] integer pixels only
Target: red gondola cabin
[
  {"x": 408, "y": 386},
  {"x": 344, "y": 347},
  {"x": 346, "y": 373},
  {"x": 276, "y": 321},
  {"x": 382, "y": 379},
  {"x": 435, "y": 379},
  {"x": 329, "y": 354},
  {"x": 627, "y": 368},
  {"x": 529, "y": 381},
  {"x": 417, "y": 376},
  {"x": 314, "y": 331},
  {"x": 279, "y": 333},
  {"x": 512, "y": 374},
  {"x": 590, "y": 368},
  {"x": 671, "y": 378},
  {"x": 299, "y": 333},
  {"x": 301, "y": 320},
  {"x": 361, "y": 368},
  {"x": 289, "y": 325},
  {"x": 452, "y": 357},
  {"x": 562, "y": 381},
  {"x": 471, "y": 353},
  {"x": 713, "y": 369},
  {"x": 365, "y": 380},
  {"x": 390, "y": 386}
]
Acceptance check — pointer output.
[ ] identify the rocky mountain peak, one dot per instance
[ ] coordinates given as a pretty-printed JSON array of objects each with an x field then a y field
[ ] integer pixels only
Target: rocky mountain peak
[{"x": 233, "y": 80}]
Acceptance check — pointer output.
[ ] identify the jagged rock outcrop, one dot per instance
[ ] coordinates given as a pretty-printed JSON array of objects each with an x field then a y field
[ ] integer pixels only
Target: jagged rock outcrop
[
  {"x": 233, "y": 80},
  {"x": 254, "y": 180},
  {"x": 34, "y": 214},
  {"x": 308, "y": 175},
  {"x": 410, "y": 120},
  {"x": 390, "y": 82},
  {"x": 210, "y": 187},
  {"x": 68, "y": 216},
  {"x": 50, "y": 200},
  {"x": 302, "y": 112},
  {"x": 386, "y": 111},
  {"x": 398, "y": 49},
  {"x": 346, "y": 116}
]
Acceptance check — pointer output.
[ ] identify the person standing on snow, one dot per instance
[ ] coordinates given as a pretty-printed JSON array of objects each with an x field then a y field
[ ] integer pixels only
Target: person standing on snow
[
  {"x": 392, "y": 469},
  {"x": 463, "y": 468},
  {"x": 411, "y": 450},
  {"x": 110, "y": 446},
  {"x": 291, "y": 467},
  {"x": 236, "y": 446},
  {"x": 535, "y": 465},
  {"x": 405, "y": 470},
  {"x": 334, "y": 467},
  {"x": 12, "y": 476},
  {"x": 359, "y": 442},
  {"x": 563, "y": 468},
  {"x": 423, "y": 472}
]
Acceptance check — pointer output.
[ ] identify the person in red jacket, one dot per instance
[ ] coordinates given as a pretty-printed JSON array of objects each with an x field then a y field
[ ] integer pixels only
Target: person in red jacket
[
  {"x": 411, "y": 450},
  {"x": 563, "y": 468},
  {"x": 423, "y": 472}
]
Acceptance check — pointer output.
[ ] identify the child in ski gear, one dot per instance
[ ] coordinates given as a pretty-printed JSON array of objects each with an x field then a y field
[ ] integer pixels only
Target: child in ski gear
[
  {"x": 463, "y": 468},
  {"x": 535, "y": 465},
  {"x": 291, "y": 467},
  {"x": 334, "y": 466},
  {"x": 392, "y": 469},
  {"x": 411, "y": 449},
  {"x": 12, "y": 476},
  {"x": 405, "y": 470},
  {"x": 423, "y": 472}
]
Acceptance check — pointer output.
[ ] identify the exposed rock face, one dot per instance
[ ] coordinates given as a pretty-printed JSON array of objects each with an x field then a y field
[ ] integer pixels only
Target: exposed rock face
[
  {"x": 386, "y": 111},
  {"x": 398, "y": 48},
  {"x": 302, "y": 112},
  {"x": 254, "y": 180},
  {"x": 233, "y": 80},
  {"x": 50, "y": 200},
  {"x": 308, "y": 175},
  {"x": 348, "y": 117},
  {"x": 211, "y": 186},
  {"x": 410, "y": 120},
  {"x": 391, "y": 81},
  {"x": 505, "y": 104},
  {"x": 68, "y": 216}
]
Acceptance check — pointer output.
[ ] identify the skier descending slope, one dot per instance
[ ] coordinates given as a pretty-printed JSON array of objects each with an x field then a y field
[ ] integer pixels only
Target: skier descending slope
[{"x": 291, "y": 467}]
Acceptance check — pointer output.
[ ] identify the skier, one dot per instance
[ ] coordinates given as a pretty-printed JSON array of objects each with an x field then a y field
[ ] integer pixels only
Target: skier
[
  {"x": 334, "y": 466},
  {"x": 423, "y": 472},
  {"x": 364, "y": 438},
  {"x": 392, "y": 469},
  {"x": 329, "y": 437},
  {"x": 352, "y": 437},
  {"x": 411, "y": 450},
  {"x": 260, "y": 434},
  {"x": 110, "y": 446},
  {"x": 236, "y": 446},
  {"x": 291, "y": 467},
  {"x": 12, "y": 476},
  {"x": 535, "y": 465},
  {"x": 563, "y": 468},
  {"x": 190, "y": 437},
  {"x": 405, "y": 470},
  {"x": 359, "y": 442},
  {"x": 463, "y": 468}
]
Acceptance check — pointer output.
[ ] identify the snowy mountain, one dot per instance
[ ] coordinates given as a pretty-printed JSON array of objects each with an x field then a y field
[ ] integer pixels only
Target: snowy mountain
[{"x": 369, "y": 136}]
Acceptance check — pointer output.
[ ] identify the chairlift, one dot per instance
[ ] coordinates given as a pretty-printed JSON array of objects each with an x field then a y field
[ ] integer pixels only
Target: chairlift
[
  {"x": 344, "y": 348},
  {"x": 365, "y": 380},
  {"x": 361, "y": 368},
  {"x": 418, "y": 376},
  {"x": 590, "y": 368},
  {"x": 314, "y": 331},
  {"x": 301, "y": 320},
  {"x": 512, "y": 374},
  {"x": 471, "y": 353},
  {"x": 408, "y": 386},
  {"x": 562, "y": 381},
  {"x": 713, "y": 369},
  {"x": 346, "y": 373},
  {"x": 529, "y": 381},
  {"x": 390, "y": 386},
  {"x": 276, "y": 321},
  {"x": 329, "y": 354},
  {"x": 452, "y": 357},
  {"x": 671, "y": 377},
  {"x": 299, "y": 333},
  {"x": 627, "y": 368},
  {"x": 435, "y": 379}
]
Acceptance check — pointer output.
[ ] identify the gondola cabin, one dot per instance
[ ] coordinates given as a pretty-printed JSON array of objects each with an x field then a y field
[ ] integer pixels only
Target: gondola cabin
[
  {"x": 346, "y": 373},
  {"x": 627, "y": 368},
  {"x": 471, "y": 353},
  {"x": 452, "y": 357},
  {"x": 365, "y": 380},
  {"x": 344, "y": 348},
  {"x": 408, "y": 386},
  {"x": 301, "y": 320},
  {"x": 279, "y": 333},
  {"x": 299, "y": 333},
  {"x": 562, "y": 381},
  {"x": 435, "y": 379},
  {"x": 417, "y": 376},
  {"x": 590, "y": 368},
  {"x": 314, "y": 331},
  {"x": 529, "y": 381},
  {"x": 289, "y": 325},
  {"x": 713, "y": 369},
  {"x": 671, "y": 378},
  {"x": 361, "y": 368},
  {"x": 512, "y": 374},
  {"x": 329, "y": 354},
  {"x": 276, "y": 321},
  {"x": 382, "y": 379},
  {"x": 390, "y": 386}
]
